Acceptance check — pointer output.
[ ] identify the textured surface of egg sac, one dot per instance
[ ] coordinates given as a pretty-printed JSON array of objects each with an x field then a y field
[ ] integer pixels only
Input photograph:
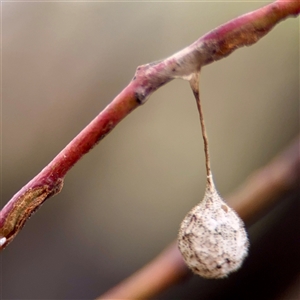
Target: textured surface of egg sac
[{"x": 212, "y": 238}]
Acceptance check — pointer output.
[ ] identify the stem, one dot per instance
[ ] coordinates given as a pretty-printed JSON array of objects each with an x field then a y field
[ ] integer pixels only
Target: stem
[{"x": 194, "y": 83}]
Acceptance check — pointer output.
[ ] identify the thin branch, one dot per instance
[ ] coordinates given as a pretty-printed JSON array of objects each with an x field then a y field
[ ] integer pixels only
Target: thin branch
[
  {"x": 259, "y": 192},
  {"x": 217, "y": 44}
]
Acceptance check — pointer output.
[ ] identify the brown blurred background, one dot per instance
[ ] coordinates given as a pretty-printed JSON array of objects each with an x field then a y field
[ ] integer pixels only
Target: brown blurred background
[{"x": 62, "y": 63}]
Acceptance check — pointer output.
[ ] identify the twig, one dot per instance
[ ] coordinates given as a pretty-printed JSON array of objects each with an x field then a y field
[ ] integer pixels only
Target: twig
[
  {"x": 217, "y": 44},
  {"x": 259, "y": 191}
]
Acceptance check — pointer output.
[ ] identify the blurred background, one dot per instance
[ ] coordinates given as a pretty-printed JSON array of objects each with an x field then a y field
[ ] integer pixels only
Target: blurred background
[{"x": 62, "y": 63}]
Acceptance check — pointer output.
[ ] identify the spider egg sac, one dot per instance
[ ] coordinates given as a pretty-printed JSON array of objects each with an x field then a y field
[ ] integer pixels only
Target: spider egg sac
[{"x": 212, "y": 238}]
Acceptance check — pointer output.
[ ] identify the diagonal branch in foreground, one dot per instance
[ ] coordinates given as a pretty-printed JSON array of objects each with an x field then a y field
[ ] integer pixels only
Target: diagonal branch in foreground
[{"x": 217, "y": 44}]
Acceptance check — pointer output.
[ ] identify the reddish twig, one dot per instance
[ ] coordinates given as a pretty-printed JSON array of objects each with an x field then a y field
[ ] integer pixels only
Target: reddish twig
[
  {"x": 165, "y": 270},
  {"x": 258, "y": 192},
  {"x": 215, "y": 45}
]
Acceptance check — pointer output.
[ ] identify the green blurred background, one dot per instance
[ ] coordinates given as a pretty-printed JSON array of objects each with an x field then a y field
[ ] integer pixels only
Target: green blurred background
[{"x": 62, "y": 63}]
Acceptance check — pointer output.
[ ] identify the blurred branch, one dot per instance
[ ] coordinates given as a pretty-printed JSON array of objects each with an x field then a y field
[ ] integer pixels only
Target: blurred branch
[
  {"x": 217, "y": 44},
  {"x": 258, "y": 193}
]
